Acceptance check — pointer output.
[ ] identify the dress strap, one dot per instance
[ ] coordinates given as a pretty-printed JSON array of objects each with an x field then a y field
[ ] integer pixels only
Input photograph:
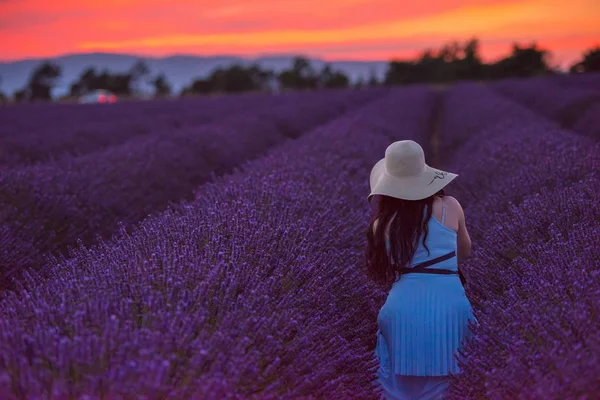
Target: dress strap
[
  {"x": 421, "y": 268},
  {"x": 443, "y": 211}
]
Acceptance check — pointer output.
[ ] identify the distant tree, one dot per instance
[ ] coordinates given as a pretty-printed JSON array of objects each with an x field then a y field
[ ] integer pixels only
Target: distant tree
[
  {"x": 470, "y": 65},
  {"x": 300, "y": 76},
  {"x": 161, "y": 86},
  {"x": 373, "y": 80},
  {"x": 120, "y": 84},
  {"x": 330, "y": 79},
  {"x": 432, "y": 67},
  {"x": 3, "y": 98},
  {"x": 139, "y": 69},
  {"x": 521, "y": 63},
  {"x": 137, "y": 73},
  {"x": 20, "y": 95},
  {"x": 455, "y": 62},
  {"x": 262, "y": 79},
  {"x": 451, "y": 52},
  {"x": 233, "y": 79},
  {"x": 400, "y": 73},
  {"x": 360, "y": 83},
  {"x": 198, "y": 87},
  {"x": 86, "y": 83},
  {"x": 452, "y": 62},
  {"x": 90, "y": 80},
  {"x": 41, "y": 82},
  {"x": 590, "y": 62}
]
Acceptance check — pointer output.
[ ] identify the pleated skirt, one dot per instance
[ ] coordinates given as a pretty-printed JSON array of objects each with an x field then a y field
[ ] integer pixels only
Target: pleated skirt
[
  {"x": 422, "y": 324},
  {"x": 414, "y": 387}
]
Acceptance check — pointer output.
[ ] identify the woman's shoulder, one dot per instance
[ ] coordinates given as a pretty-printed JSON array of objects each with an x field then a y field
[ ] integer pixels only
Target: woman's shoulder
[
  {"x": 450, "y": 199},
  {"x": 452, "y": 202}
]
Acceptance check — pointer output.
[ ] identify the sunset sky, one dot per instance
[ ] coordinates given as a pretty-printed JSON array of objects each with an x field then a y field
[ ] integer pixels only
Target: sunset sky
[{"x": 330, "y": 29}]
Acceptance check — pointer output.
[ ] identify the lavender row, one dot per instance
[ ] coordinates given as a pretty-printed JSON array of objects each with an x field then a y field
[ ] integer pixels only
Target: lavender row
[
  {"x": 504, "y": 164},
  {"x": 544, "y": 330},
  {"x": 493, "y": 140},
  {"x": 507, "y": 161},
  {"x": 589, "y": 121},
  {"x": 468, "y": 108},
  {"x": 536, "y": 287},
  {"x": 527, "y": 188},
  {"x": 44, "y": 133},
  {"x": 585, "y": 80},
  {"x": 564, "y": 105},
  {"x": 17, "y": 120},
  {"x": 255, "y": 290},
  {"x": 53, "y": 206}
]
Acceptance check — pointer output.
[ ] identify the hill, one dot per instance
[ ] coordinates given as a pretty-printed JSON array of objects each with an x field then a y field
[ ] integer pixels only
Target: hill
[{"x": 180, "y": 70}]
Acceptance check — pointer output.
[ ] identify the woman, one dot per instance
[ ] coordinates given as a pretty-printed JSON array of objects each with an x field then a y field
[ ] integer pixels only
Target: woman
[{"x": 415, "y": 241}]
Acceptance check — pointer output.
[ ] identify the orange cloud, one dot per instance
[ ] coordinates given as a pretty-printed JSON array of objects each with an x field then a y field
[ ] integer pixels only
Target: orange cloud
[{"x": 360, "y": 29}]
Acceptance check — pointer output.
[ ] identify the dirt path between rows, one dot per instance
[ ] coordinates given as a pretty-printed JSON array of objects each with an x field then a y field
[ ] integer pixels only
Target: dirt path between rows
[{"x": 434, "y": 136}]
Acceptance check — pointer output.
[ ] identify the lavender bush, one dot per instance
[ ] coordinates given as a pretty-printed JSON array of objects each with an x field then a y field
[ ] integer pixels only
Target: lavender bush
[
  {"x": 254, "y": 290},
  {"x": 54, "y": 205},
  {"x": 589, "y": 121},
  {"x": 587, "y": 80},
  {"x": 559, "y": 103},
  {"x": 530, "y": 195},
  {"x": 536, "y": 286},
  {"x": 510, "y": 160},
  {"x": 464, "y": 114},
  {"x": 511, "y": 156},
  {"x": 60, "y": 130}
]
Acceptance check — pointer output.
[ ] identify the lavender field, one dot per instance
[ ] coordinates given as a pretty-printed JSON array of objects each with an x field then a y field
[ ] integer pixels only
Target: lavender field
[{"x": 213, "y": 248}]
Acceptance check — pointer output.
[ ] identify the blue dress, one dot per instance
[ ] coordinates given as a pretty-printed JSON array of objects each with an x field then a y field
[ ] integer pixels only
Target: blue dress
[{"x": 423, "y": 323}]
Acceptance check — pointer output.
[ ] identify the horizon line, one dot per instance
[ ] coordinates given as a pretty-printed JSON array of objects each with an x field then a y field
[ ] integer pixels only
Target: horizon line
[
  {"x": 197, "y": 55},
  {"x": 252, "y": 57}
]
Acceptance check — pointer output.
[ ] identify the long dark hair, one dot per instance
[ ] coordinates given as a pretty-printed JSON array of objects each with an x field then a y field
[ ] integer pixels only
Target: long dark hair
[{"x": 404, "y": 232}]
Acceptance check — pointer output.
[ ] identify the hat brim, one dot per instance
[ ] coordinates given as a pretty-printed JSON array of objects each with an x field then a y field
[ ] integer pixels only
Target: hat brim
[{"x": 417, "y": 187}]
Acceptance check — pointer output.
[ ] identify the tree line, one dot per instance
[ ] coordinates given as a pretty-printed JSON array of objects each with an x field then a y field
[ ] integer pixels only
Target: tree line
[{"x": 452, "y": 62}]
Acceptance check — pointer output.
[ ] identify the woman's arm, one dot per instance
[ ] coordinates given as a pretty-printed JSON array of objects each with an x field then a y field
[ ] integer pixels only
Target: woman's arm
[{"x": 463, "y": 241}]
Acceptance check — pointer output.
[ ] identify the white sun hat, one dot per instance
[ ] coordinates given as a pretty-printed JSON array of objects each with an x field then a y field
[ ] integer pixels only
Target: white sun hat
[{"x": 403, "y": 173}]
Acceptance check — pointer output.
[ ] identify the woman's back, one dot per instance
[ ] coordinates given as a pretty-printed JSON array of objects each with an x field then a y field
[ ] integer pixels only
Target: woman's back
[
  {"x": 442, "y": 237},
  {"x": 440, "y": 240},
  {"x": 424, "y": 312},
  {"x": 423, "y": 321}
]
